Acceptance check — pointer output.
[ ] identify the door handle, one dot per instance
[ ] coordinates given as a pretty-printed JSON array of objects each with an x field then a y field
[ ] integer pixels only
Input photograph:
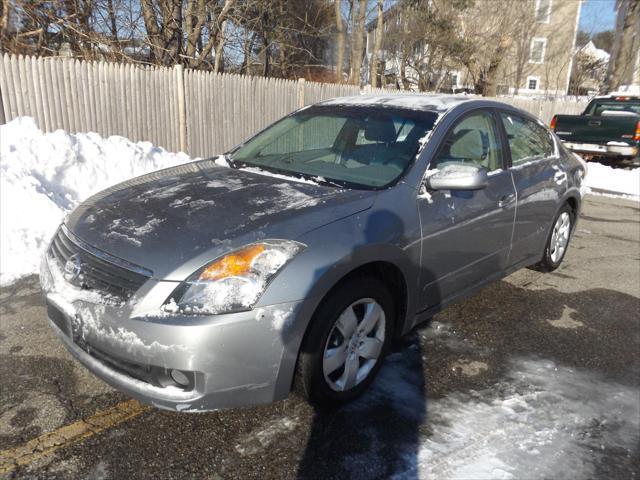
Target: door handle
[
  {"x": 559, "y": 177},
  {"x": 506, "y": 200}
]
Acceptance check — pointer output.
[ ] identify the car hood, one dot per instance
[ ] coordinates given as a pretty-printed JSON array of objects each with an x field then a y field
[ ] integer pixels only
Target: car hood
[{"x": 172, "y": 220}]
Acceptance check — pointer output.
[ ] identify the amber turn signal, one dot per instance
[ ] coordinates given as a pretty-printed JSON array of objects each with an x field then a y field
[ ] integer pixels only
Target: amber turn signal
[{"x": 237, "y": 263}]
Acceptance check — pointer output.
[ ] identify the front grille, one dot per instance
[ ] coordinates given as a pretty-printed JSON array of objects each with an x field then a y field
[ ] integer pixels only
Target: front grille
[
  {"x": 98, "y": 270},
  {"x": 151, "y": 374}
]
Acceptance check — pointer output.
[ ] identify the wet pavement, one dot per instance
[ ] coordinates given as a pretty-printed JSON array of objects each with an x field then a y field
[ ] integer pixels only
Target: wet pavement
[{"x": 536, "y": 376}]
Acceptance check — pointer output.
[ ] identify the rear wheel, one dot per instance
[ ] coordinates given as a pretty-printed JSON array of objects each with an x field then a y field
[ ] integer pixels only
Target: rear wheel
[
  {"x": 558, "y": 241},
  {"x": 346, "y": 342}
]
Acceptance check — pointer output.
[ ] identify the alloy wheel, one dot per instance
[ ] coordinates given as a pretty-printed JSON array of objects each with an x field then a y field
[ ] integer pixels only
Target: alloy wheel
[
  {"x": 354, "y": 344},
  {"x": 560, "y": 237}
]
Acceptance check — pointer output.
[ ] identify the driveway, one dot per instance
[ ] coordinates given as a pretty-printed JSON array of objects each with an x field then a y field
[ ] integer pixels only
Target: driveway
[{"x": 536, "y": 376}]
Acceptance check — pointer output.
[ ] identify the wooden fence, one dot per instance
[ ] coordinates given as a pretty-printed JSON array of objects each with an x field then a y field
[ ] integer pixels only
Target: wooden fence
[{"x": 198, "y": 112}]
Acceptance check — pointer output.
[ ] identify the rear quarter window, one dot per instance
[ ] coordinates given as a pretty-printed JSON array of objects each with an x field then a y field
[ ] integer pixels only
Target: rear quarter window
[{"x": 527, "y": 140}]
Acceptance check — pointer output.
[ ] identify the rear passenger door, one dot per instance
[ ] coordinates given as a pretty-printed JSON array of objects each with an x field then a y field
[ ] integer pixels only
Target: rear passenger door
[{"x": 539, "y": 181}]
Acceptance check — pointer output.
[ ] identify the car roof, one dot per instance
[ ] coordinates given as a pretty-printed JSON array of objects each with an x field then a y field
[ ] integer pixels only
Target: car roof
[
  {"x": 439, "y": 104},
  {"x": 618, "y": 96}
]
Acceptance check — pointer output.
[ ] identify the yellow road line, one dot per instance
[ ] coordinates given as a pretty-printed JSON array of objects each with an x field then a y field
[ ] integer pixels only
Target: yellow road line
[{"x": 48, "y": 443}]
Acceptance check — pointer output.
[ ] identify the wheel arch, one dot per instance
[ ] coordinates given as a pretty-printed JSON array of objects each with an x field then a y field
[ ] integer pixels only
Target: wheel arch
[{"x": 389, "y": 274}]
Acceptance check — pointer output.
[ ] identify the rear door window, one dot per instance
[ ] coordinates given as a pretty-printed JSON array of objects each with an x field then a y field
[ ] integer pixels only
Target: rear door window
[{"x": 527, "y": 140}]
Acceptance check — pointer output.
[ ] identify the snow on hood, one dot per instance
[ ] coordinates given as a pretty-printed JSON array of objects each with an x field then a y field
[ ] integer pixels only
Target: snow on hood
[
  {"x": 45, "y": 175},
  {"x": 164, "y": 219}
]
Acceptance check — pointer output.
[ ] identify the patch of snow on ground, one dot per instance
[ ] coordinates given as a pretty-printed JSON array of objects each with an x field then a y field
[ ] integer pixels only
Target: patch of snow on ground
[
  {"x": 256, "y": 441},
  {"x": 546, "y": 409},
  {"x": 540, "y": 420},
  {"x": 614, "y": 180},
  {"x": 43, "y": 176}
]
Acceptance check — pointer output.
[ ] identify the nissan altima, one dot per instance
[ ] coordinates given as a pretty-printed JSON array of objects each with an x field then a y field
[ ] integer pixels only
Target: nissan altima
[{"x": 292, "y": 261}]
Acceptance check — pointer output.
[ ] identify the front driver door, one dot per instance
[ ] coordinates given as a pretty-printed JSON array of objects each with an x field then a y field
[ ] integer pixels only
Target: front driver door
[{"x": 466, "y": 235}]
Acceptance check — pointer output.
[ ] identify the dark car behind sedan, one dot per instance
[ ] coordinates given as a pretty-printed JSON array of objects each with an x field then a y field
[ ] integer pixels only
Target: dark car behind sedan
[
  {"x": 294, "y": 259},
  {"x": 608, "y": 127}
]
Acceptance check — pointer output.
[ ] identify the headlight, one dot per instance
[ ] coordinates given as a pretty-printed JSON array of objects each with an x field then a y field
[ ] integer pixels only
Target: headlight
[{"x": 235, "y": 281}]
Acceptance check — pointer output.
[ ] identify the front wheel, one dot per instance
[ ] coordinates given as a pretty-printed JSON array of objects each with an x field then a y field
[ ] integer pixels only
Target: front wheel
[
  {"x": 558, "y": 241},
  {"x": 346, "y": 342}
]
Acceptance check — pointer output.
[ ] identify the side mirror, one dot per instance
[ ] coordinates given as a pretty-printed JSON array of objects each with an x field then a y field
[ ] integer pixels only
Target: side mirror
[{"x": 458, "y": 177}]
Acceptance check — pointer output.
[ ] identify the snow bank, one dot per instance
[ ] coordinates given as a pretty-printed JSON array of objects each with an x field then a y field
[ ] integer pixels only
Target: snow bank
[
  {"x": 614, "y": 180},
  {"x": 45, "y": 175}
]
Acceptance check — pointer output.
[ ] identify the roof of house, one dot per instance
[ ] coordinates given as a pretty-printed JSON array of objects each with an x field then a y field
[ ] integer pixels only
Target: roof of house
[{"x": 591, "y": 50}]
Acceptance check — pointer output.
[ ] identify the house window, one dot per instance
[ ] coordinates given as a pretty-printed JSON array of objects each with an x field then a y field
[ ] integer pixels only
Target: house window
[
  {"x": 454, "y": 79},
  {"x": 538, "y": 46},
  {"x": 543, "y": 11},
  {"x": 532, "y": 83}
]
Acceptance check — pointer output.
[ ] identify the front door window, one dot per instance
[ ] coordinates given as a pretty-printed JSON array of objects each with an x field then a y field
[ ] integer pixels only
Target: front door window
[{"x": 473, "y": 141}]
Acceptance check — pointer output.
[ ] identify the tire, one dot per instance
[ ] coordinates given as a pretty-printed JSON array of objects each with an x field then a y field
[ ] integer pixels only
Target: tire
[
  {"x": 553, "y": 251},
  {"x": 358, "y": 295}
]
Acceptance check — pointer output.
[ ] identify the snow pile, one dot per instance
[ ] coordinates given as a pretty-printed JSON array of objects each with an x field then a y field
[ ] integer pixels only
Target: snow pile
[
  {"x": 613, "y": 180},
  {"x": 43, "y": 176}
]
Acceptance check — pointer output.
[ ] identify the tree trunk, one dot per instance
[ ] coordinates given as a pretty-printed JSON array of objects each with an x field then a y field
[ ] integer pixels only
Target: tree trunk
[
  {"x": 214, "y": 32},
  {"x": 247, "y": 48},
  {"x": 112, "y": 21},
  {"x": 403, "y": 73},
  {"x": 153, "y": 31},
  {"x": 358, "y": 32},
  {"x": 340, "y": 42},
  {"x": 622, "y": 61},
  {"x": 195, "y": 18},
  {"x": 490, "y": 80},
  {"x": 217, "y": 64},
  {"x": 377, "y": 45},
  {"x": 265, "y": 56}
]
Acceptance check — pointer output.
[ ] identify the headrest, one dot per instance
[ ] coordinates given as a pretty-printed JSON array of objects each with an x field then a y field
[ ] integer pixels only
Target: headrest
[{"x": 379, "y": 129}]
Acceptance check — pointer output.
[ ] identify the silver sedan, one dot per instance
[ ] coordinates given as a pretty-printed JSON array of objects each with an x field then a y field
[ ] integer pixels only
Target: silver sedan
[{"x": 292, "y": 261}]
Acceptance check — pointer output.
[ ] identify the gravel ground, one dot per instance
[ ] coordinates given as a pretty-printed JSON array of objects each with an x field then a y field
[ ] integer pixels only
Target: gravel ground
[{"x": 536, "y": 376}]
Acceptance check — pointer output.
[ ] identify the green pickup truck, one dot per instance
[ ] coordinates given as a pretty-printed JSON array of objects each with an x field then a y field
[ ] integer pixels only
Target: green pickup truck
[{"x": 609, "y": 127}]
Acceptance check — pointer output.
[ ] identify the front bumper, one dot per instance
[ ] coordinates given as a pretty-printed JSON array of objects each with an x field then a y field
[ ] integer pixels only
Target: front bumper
[
  {"x": 234, "y": 360},
  {"x": 606, "y": 150}
]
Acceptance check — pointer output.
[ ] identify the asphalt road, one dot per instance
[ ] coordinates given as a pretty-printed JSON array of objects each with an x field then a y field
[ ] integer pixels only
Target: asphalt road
[{"x": 536, "y": 376}]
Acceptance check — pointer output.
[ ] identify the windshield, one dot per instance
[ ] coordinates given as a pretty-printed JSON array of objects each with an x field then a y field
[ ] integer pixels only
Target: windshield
[
  {"x": 600, "y": 106},
  {"x": 361, "y": 147}
]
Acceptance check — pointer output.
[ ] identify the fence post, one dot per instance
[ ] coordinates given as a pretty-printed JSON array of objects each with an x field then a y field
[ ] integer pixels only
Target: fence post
[
  {"x": 301, "y": 92},
  {"x": 182, "y": 114},
  {"x": 2, "y": 119}
]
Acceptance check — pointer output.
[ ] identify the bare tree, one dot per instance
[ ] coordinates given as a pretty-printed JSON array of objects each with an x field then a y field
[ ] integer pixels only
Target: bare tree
[
  {"x": 489, "y": 37},
  {"x": 287, "y": 38},
  {"x": 587, "y": 74},
  {"x": 423, "y": 42}
]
